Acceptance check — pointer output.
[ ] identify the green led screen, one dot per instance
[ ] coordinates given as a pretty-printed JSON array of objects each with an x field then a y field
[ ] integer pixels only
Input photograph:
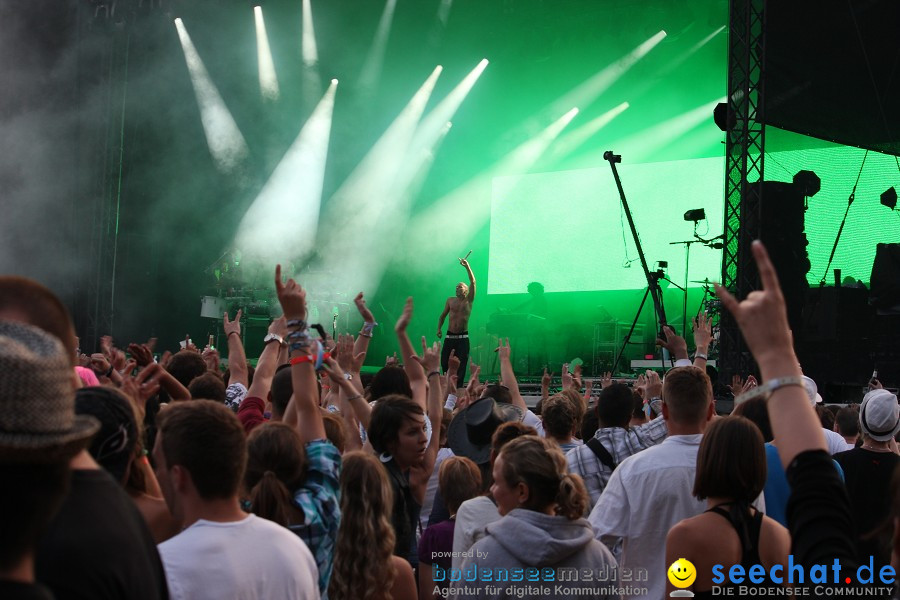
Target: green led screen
[
  {"x": 868, "y": 222},
  {"x": 565, "y": 229}
]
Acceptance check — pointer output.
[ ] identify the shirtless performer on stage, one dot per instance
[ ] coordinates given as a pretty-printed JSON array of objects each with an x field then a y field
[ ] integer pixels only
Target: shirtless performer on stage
[{"x": 459, "y": 308}]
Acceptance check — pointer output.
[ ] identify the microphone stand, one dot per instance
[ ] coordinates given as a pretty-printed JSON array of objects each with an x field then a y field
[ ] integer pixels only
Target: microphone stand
[
  {"x": 710, "y": 243},
  {"x": 653, "y": 289},
  {"x": 843, "y": 221}
]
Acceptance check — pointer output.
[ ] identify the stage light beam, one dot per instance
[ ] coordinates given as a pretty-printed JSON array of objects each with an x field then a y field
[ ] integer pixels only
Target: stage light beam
[
  {"x": 283, "y": 220},
  {"x": 225, "y": 141},
  {"x": 440, "y": 227},
  {"x": 371, "y": 71},
  {"x": 587, "y": 92},
  {"x": 373, "y": 202},
  {"x": 268, "y": 80},
  {"x": 574, "y": 139},
  {"x": 309, "y": 49}
]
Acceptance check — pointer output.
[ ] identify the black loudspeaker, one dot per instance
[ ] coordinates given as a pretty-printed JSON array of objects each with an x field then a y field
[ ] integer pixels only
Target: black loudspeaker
[
  {"x": 885, "y": 280},
  {"x": 775, "y": 212}
]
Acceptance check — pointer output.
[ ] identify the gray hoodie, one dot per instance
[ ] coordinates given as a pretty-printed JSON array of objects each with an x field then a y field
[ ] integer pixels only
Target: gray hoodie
[{"x": 528, "y": 554}]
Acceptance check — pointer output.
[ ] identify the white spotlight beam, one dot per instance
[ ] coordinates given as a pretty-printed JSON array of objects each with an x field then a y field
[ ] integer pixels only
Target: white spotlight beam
[
  {"x": 268, "y": 80},
  {"x": 434, "y": 122},
  {"x": 677, "y": 62},
  {"x": 373, "y": 253},
  {"x": 309, "y": 71},
  {"x": 226, "y": 143},
  {"x": 590, "y": 90},
  {"x": 309, "y": 49},
  {"x": 371, "y": 72},
  {"x": 444, "y": 11},
  {"x": 379, "y": 168},
  {"x": 643, "y": 145},
  {"x": 454, "y": 219},
  {"x": 576, "y": 138},
  {"x": 374, "y": 200},
  {"x": 283, "y": 220}
]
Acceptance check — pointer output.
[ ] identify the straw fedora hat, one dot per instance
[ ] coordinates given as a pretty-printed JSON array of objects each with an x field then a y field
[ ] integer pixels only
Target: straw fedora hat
[{"x": 37, "y": 398}]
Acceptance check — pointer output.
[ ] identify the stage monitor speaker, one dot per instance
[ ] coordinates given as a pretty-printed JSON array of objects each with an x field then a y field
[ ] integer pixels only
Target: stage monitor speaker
[{"x": 885, "y": 280}]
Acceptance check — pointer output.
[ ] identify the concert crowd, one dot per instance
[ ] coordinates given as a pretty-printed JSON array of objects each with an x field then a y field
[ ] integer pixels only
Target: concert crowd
[{"x": 138, "y": 474}]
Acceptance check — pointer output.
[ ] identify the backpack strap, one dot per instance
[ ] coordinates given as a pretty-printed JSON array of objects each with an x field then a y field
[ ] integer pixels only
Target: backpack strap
[{"x": 602, "y": 453}]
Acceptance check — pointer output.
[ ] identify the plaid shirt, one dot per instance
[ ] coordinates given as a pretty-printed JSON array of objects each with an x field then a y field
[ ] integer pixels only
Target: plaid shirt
[
  {"x": 319, "y": 499},
  {"x": 621, "y": 443}
]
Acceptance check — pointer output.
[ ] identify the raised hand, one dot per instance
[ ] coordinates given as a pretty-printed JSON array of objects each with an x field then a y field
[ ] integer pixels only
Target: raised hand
[
  {"x": 607, "y": 380},
  {"x": 106, "y": 345},
  {"x": 748, "y": 385},
  {"x": 673, "y": 342},
  {"x": 762, "y": 315},
  {"x": 453, "y": 363},
  {"x": 165, "y": 358},
  {"x": 364, "y": 311},
  {"x": 654, "y": 386},
  {"x": 405, "y": 316},
  {"x": 431, "y": 357},
  {"x": 566, "y": 376},
  {"x": 335, "y": 371},
  {"x": 464, "y": 262},
  {"x": 702, "y": 330},
  {"x": 344, "y": 351},
  {"x": 504, "y": 352},
  {"x": 641, "y": 385},
  {"x": 391, "y": 360},
  {"x": 291, "y": 296},
  {"x": 474, "y": 385},
  {"x": 737, "y": 384},
  {"x": 576, "y": 377},
  {"x": 212, "y": 359},
  {"x": 99, "y": 364},
  {"x": 546, "y": 378},
  {"x": 141, "y": 354}
]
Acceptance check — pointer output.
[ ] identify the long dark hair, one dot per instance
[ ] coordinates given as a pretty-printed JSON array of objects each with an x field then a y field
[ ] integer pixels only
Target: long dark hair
[{"x": 276, "y": 466}]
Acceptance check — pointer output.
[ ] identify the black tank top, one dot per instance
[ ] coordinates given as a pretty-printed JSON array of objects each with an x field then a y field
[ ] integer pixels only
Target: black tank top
[{"x": 747, "y": 527}]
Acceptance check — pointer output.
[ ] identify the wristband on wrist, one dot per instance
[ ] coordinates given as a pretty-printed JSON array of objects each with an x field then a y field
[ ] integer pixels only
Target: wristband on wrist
[
  {"x": 308, "y": 358},
  {"x": 700, "y": 355},
  {"x": 770, "y": 387},
  {"x": 433, "y": 373},
  {"x": 108, "y": 373},
  {"x": 368, "y": 327},
  {"x": 237, "y": 333},
  {"x": 298, "y": 323}
]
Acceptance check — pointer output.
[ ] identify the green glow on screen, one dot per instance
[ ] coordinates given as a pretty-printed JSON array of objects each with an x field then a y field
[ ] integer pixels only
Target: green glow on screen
[
  {"x": 868, "y": 222},
  {"x": 565, "y": 229}
]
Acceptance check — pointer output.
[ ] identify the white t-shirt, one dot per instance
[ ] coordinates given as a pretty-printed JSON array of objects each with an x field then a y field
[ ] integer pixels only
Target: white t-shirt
[
  {"x": 836, "y": 442},
  {"x": 472, "y": 517},
  {"x": 646, "y": 495},
  {"x": 432, "y": 488},
  {"x": 241, "y": 560}
]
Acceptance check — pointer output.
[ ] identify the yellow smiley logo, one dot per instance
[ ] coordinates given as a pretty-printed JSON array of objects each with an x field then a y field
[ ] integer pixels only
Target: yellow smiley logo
[{"x": 682, "y": 573}]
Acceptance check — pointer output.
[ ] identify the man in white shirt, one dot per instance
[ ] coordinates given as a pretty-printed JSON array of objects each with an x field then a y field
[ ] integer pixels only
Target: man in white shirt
[
  {"x": 200, "y": 455},
  {"x": 651, "y": 491}
]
